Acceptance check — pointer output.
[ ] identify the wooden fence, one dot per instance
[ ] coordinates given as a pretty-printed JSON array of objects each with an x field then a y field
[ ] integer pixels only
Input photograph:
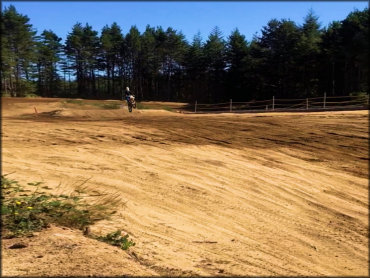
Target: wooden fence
[{"x": 303, "y": 104}]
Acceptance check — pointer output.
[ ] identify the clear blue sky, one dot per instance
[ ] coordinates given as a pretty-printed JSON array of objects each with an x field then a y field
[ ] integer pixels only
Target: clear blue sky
[{"x": 188, "y": 17}]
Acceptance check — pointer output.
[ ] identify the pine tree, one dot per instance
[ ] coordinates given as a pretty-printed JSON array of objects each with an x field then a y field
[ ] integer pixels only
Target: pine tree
[
  {"x": 131, "y": 53},
  {"x": 111, "y": 44},
  {"x": 82, "y": 47},
  {"x": 309, "y": 48},
  {"x": 48, "y": 55},
  {"x": 173, "y": 52},
  {"x": 17, "y": 51},
  {"x": 237, "y": 59},
  {"x": 332, "y": 59},
  {"x": 195, "y": 67},
  {"x": 278, "y": 53},
  {"x": 215, "y": 58},
  {"x": 355, "y": 37},
  {"x": 149, "y": 62}
]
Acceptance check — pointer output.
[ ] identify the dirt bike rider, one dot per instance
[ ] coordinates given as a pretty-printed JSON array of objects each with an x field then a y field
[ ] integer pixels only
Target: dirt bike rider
[{"x": 127, "y": 95}]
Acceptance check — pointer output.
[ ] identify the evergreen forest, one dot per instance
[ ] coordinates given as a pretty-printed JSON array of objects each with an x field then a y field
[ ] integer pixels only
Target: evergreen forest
[{"x": 286, "y": 60}]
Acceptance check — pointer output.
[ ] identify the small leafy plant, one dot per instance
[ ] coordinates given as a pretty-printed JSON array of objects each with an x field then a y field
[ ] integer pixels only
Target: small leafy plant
[{"x": 116, "y": 239}]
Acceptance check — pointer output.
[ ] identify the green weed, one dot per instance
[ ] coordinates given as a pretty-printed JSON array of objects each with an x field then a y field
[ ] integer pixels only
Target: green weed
[{"x": 116, "y": 239}]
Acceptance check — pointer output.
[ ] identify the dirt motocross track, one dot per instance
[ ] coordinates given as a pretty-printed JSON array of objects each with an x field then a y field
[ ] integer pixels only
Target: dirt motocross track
[{"x": 282, "y": 194}]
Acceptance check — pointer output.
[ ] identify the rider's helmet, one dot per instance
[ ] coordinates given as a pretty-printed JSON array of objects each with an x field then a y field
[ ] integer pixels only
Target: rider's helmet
[{"x": 127, "y": 89}]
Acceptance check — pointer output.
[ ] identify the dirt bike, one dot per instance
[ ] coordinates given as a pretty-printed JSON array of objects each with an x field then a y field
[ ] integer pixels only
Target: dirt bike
[{"x": 131, "y": 103}]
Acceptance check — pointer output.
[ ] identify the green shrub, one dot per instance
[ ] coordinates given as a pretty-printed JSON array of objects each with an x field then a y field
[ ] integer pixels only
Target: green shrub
[{"x": 31, "y": 95}]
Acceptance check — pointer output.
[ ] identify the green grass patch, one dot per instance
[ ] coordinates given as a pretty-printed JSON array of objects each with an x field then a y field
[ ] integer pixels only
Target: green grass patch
[
  {"x": 167, "y": 108},
  {"x": 98, "y": 104},
  {"x": 75, "y": 101},
  {"x": 142, "y": 106},
  {"x": 112, "y": 105},
  {"x": 157, "y": 107}
]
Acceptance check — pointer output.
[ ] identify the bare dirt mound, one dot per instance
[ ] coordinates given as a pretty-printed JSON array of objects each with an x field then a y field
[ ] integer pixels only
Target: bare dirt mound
[
  {"x": 277, "y": 194},
  {"x": 65, "y": 252}
]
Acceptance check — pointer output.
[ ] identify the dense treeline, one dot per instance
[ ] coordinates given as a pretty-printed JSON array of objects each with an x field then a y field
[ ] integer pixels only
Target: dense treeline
[{"x": 286, "y": 61}]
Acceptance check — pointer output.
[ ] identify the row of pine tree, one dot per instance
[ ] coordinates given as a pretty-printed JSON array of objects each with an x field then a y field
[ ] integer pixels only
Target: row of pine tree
[{"x": 286, "y": 61}]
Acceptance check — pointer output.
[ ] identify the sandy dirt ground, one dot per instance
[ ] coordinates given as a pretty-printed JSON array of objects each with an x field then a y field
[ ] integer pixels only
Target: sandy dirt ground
[{"x": 281, "y": 194}]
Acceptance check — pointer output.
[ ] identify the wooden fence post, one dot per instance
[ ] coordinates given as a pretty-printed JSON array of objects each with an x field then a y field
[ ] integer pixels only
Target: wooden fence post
[
  {"x": 267, "y": 107},
  {"x": 324, "y": 100},
  {"x": 231, "y": 105},
  {"x": 306, "y": 103},
  {"x": 195, "y": 109},
  {"x": 273, "y": 103}
]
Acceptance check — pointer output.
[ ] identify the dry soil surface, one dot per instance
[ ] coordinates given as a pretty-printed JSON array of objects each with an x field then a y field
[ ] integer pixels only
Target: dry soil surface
[{"x": 282, "y": 194}]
